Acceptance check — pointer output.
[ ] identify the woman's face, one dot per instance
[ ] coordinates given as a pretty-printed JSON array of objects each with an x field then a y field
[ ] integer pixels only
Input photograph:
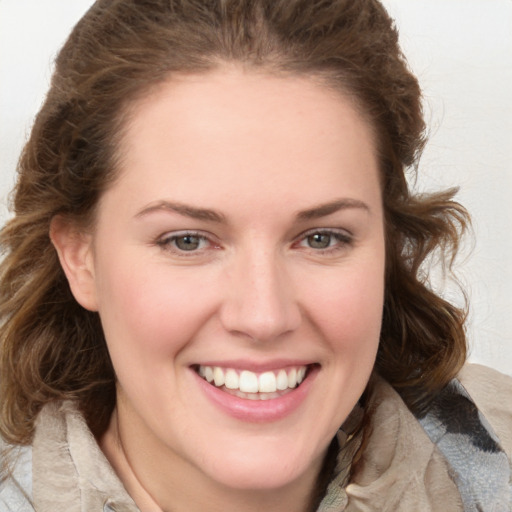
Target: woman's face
[{"x": 244, "y": 242}]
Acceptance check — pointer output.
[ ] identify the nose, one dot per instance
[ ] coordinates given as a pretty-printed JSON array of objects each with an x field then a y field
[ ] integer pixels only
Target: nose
[{"x": 260, "y": 301}]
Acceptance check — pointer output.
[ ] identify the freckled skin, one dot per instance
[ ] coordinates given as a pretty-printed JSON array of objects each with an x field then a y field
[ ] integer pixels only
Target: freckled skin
[{"x": 257, "y": 285}]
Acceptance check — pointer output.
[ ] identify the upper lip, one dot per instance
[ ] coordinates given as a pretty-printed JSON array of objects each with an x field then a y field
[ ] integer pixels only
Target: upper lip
[{"x": 256, "y": 366}]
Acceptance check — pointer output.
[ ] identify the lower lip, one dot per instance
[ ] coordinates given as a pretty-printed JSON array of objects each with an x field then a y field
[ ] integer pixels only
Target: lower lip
[{"x": 258, "y": 411}]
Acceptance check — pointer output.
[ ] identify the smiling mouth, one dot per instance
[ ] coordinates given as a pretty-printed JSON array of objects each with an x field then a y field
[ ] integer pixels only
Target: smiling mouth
[{"x": 251, "y": 385}]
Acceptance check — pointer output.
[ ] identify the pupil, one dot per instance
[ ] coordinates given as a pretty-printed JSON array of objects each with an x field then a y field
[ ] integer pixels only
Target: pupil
[
  {"x": 319, "y": 241},
  {"x": 187, "y": 242}
]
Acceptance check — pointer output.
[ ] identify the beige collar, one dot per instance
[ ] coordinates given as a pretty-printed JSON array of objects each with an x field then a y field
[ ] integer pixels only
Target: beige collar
[{"x": 80, "y": 479}]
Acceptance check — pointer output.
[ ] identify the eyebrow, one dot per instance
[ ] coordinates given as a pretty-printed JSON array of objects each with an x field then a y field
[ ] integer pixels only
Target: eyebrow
[
  {"x": 323, "y": 210},
  {"x": 183, "y": 209}
]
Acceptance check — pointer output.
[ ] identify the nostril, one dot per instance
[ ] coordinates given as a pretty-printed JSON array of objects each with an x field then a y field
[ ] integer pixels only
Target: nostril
[{"x": 260, "y": 324}]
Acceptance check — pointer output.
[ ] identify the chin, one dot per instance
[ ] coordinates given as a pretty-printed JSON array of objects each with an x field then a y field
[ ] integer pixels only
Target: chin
[{"x": 263, "y": 469}]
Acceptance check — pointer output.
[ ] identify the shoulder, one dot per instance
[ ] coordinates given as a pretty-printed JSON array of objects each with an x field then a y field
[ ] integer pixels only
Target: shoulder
[
  {"x": 15, "y": 478},
  {"x": 454, "y": 456},
  {"x": 492, "y": 393},
  {"x": 470, "y": 422}
]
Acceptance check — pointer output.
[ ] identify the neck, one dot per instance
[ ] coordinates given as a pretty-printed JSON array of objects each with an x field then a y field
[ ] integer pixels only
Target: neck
[{"x": 171, "y": 484}]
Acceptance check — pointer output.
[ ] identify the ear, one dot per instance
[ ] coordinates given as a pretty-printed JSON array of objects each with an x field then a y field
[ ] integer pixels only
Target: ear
[{"x": 74, "y": 248}]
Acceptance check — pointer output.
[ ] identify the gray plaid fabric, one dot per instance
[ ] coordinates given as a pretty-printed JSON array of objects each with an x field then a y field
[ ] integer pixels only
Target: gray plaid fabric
[{"x": 481, "y": 468}]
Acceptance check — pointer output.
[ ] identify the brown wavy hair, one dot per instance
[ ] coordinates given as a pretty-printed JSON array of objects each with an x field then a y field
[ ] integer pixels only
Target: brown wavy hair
[{"x": 52, "y": 348}]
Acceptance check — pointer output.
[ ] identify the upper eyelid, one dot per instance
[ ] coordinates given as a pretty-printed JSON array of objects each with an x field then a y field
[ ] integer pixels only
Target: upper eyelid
[
  {"x": 345, "y": 238},
  {"x": 185, "y": 232},
  {"x": 332, "y": 231},
  {"x": 169, "y": 237},
  {"x": 211, "y": 238}
]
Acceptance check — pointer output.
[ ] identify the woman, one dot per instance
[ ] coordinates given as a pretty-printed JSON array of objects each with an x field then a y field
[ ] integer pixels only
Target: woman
[{"x": 212, "y": 293}]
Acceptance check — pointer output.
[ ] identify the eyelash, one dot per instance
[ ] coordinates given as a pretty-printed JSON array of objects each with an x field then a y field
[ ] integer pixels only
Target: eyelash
[
  {"x": 342, "y": 240},
  {"x": 168, "y": 242}
]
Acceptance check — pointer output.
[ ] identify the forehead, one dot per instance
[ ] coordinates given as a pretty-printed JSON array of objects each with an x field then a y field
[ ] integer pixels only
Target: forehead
[
  {"x": 244, "y": 92},
  {"x": 231, "y": 129}
]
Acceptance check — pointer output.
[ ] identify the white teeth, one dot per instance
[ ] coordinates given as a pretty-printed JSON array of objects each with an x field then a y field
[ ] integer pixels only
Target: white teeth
[
  {"x": 208, "y": 374},
  {"x": 267, "y": 382},
  {"x": 249, "y": 382},
  {"x": 218, "y": 376},
  {"x": 282, "y": 380},
  {"x": 292, "y": 378},
  {"x": 231, "y": 381}
]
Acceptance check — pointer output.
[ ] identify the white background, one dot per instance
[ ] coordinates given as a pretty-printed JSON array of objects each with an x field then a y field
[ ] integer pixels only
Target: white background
[{"x": 461, "y": 51}]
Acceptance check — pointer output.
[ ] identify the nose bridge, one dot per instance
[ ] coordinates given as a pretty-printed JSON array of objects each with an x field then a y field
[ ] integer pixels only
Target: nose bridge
[{"x": 260, "y": 302}]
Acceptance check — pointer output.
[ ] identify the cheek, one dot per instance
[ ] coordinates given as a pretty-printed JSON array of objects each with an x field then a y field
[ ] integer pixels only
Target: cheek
[
  {"x": 152, "y": 313},
  {"x": 347, "y": 307}
]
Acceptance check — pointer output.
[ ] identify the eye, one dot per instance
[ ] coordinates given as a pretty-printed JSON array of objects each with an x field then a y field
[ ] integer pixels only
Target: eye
[
  {"x": 319, "y": 240},
  {"x": 325, "y": 240},
  {"x": 188, "y": 242},
  {"x": 185, "y": 242}
]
